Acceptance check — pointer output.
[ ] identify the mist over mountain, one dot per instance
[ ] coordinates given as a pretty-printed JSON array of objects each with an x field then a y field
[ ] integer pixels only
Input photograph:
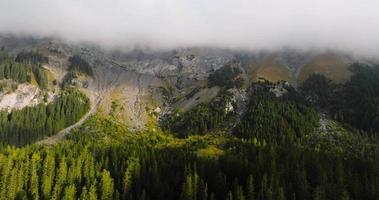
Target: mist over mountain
[
  {"x": 240, "y": 24},
  {"x": 189, "y": 99}
]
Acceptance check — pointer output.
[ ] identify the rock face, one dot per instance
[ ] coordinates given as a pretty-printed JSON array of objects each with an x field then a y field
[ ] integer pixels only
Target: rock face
[
  {"x": 132, "y": 84},
  {"x": 192, "y": 63},
  {"x": 24, "y": 95}
]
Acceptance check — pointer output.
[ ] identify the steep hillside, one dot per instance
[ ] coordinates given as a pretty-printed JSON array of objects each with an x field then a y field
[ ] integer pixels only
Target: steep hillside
[
  {"x": 333, "y": 66},
  {"x": 187, "y": 124},
  {"x": 138, "y": 85},
  {"x": 272, "y": 71}
]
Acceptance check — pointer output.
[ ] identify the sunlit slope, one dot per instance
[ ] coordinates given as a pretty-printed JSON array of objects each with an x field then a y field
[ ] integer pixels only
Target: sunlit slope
[
  {"x": 330, "y": 65},
  {"x": 272, "y": 71}
]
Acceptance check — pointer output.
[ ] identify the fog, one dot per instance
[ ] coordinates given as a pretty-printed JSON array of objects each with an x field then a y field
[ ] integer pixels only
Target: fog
[{"x": 238, "y": 24}]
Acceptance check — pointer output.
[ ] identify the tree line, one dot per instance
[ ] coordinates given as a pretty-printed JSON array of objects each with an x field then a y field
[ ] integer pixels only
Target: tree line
[
  {"x": 29, "y": 124},
  {"x": 23, "y": 67},
  {"x": 103, "y": 160},
  {"x": 283, "y": 119},
  {"x": 354, "y": 103},
  {"x": 202, "y": 118},
  {"x": 77, "y": 63}
]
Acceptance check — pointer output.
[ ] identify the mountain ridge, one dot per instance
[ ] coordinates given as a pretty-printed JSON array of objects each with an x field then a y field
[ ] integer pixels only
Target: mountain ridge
[{"x": 135, "y": 79}]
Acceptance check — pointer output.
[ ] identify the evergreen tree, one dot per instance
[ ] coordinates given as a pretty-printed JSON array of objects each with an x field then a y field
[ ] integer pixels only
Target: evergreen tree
[
  {"x": 48, "y": 173},
  {"x": 92, "y": 195},
  {"x": 250, "y": 191},
  {"x": 106, "y": 186},
  {"x": 34, "y": 182},
  {"x": 84, "y": 194},
  {"x": 60, "y": 178},
  {"x": 69, "y": 193}
]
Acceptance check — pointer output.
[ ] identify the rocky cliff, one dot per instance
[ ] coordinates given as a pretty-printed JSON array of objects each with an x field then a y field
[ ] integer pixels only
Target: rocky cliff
[{"x": 138, "y": 85}]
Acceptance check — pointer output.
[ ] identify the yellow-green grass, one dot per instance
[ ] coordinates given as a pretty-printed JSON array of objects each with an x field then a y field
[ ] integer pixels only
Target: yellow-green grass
[
  {"x": 50, "y": 77},
  {"x": 328, "y": 65},
  {"x": 210, "y": 151},
  {"x": 33, "y": 80},
  {"x": 272, "y": 71}
]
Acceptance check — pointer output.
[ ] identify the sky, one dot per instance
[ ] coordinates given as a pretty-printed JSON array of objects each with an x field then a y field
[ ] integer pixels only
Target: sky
[{"x": 238, "y": 24}]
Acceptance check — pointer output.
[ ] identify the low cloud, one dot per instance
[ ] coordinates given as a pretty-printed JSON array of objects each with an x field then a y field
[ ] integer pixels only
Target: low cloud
[{"x": 241, "y": 24}]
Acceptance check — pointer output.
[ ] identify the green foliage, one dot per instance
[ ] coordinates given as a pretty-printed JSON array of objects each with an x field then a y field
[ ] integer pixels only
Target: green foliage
[
  {"x": 29, "y": 124},
  {"x": 279, "y": 154},
  {"x": 202, "y": 118},
  {"x": 77, "y": 66},
  {"x": 354, "y": 103},
  {"x": 77, "y": 63},
  {"x": 16, "y": 71},
  {"x": 267, "y": 118},
  {"x": 318, "y": 90},
  {"x": 67, "y": 79},
  {"x": 228, "y": 76},
  {"x": 24, "y": 67},
  {"x": 32, "y": 57},
  {"x": 70, "y": 193},
  {"x": 250, "y": 188},
  {"x": 277, "y": 119},
  {"x": 338, "y": 139},
  {"x": 103, "y": 160},
  {"x": 41, "y": 77},
  {"x": 106, "y": 186},
  {"x": 48, "y": 173},
  {"x": 357, "y": 101}
]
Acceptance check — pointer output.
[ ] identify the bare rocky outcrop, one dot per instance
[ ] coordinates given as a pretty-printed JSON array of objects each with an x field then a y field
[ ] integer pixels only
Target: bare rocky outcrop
[
  {"x": 131, "y": 84},
  {"x": 25, "y": 95}
]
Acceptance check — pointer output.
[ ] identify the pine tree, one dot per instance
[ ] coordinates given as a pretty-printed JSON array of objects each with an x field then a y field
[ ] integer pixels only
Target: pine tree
[
  {"x": 237, "y": 191},
  {"x": 106, "y": 186},
  {"x": 250, "y": 191},
  {"x": 92, "y": 195},
  {"x": 264, "y": 188},
  {"x": 131, "y": 170},
  {"x": 48, "y": 173},
  {"x": 12, "y": 186},
  {"x": 318, "y": 193},
  {"x": 229, "y": 196},
  {"x": 204, "y": 193},
  {"x": 187, "y": 191},
  {"x": 34, "y": 182},
  {"x": 70, "y": 193},
  {"x": 60, "y": 178},
  {"x": 84, "y": 195},
  {"x": 281, "y": 194},
  {"x": 345, "y": 195}
]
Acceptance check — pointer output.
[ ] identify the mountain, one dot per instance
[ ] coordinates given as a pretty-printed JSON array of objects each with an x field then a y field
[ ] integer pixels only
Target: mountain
[
  {"x": 137, "y": 78},
  {"x": 80, "y": 121}
]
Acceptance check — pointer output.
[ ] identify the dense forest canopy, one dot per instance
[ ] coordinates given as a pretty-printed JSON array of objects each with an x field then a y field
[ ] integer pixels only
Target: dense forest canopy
[
  {"x": 77, "y": 63},
  {"x": 98, "y": 164},
  {"x": 278, "y": 119},
  {"x": 77, "y": 67},
  {"x": 318, "y": 90},
  {"x": 289, "y": 144},
  {"x": 27, "y": 125},
  {"x": 202, "y": 118},
  {"x": 355, "y": 103},
  {"x": 227, "y": 76},
  {"x": 33, "y": 57},
  {"x": 23, "y": 67}
]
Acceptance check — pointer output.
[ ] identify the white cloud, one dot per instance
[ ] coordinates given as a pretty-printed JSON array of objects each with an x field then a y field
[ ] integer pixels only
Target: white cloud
[{"x": 252, "y": 24}]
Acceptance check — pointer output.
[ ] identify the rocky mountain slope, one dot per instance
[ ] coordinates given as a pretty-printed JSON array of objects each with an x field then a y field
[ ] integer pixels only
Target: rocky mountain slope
[{"x": 140, "y": 85}]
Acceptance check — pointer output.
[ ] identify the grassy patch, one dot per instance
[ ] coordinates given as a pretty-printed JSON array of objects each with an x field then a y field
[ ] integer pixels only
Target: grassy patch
[
  {"x": 210, "y": 151},
  {"x": 329, "y": 66},
  {"x": 272, "y": 71}
]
